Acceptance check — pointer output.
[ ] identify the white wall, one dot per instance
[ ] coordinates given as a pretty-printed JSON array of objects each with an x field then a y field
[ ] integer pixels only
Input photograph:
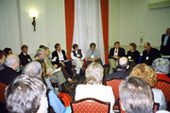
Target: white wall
[
  {"x": 50, "y": 23},
  {"x": 9, "y": 29},
  {"x": 137, "y": 21}
]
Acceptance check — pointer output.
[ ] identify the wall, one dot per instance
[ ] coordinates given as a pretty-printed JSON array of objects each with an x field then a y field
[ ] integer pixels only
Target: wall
[
  {"x": 50, "y": 23},
  {"x": 137, "y": 21},
  {"x": 9, "y": 28}
]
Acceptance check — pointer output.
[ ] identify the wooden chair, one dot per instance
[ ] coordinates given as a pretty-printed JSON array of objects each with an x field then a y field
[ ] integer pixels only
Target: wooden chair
[{"x": 90, "y": 105}]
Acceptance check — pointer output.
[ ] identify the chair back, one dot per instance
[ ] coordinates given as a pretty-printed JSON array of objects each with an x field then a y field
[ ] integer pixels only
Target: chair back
[
  {"x": 90, "y": 105},
  {"x": 2, "y": 91},
  {"x": 114, "y": 83}
]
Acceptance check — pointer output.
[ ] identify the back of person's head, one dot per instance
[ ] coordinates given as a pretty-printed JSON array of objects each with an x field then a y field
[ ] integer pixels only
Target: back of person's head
[
  {"x": 146, "y": 73},
  {"x": 12, "y": 61},
  {"x": 33, "y": 69},
  {"x": 94, "y": 73},
  {"x": 123, "y": 63},
  {"x": 26, "y": 94},
  {"x": 7, "y": 51},
  {"x": 136, "y": 96},
  {"x": 161, "y": 65},
  {"x": 40, "y": 53}
]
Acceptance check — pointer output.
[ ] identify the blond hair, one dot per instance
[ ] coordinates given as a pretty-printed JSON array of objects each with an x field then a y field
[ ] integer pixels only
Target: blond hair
[
  {"x": 146, "y": 73},
  {"x": 94, "y": 73}
]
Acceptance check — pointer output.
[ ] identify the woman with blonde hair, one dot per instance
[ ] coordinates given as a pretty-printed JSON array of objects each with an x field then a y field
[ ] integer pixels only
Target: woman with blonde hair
[
  {"x": 148, "y": 74},
  {"x": 93, "y": 87}
]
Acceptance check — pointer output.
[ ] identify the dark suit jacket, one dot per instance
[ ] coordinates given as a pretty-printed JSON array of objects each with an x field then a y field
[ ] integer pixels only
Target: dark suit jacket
[
  {"x": 121, "y": 52},
  {"x": 24, "y": 59},
  {"x": 116, "y": 75},
  {"x": 55, "y": 54},
  {"x": 134, "y": 55},
  {"x": 165, "y": 50},
  {"x": 7, "y": 75},
  {"x": 152, "y": 55}
]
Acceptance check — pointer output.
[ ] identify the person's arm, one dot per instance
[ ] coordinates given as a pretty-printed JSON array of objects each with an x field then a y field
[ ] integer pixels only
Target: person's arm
[
  {"x": 55, "y": 102},
  {"x": 64, "y": 55},
  {"x": 111, "y": 53}
]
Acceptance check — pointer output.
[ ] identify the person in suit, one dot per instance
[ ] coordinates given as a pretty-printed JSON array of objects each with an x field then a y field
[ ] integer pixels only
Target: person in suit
[
  {"x": 121, "y": 72},
  {"x": 9, "y": 73},
  {"x": 115, "y": 53},
  {"x": 24, "y": 56},
  {"x": 59, "y": 58},
  {"x": 78, "y": 56},
  {"x": 149, "y": 54},
  {"x": 165, "y": 43},
  {"x": 92, "y": 55},
  {"x": 133, "y": 54}
]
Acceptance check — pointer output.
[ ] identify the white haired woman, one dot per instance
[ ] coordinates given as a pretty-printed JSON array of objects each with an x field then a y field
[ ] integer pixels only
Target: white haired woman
[{"x": 93, "y": 87}]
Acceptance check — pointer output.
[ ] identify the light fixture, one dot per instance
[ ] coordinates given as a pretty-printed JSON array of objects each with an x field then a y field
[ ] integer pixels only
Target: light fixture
[{"x": 34, "y": 14}]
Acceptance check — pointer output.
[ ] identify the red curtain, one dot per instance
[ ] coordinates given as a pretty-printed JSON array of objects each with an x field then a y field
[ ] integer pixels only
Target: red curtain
[
  {"x": 69, "y": 20},
  {"x": 105, "y": 14}
]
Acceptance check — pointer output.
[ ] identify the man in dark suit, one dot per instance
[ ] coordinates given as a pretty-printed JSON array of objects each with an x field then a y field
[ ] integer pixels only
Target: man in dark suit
[
  {"x": 122, "y": 70},
  {"x": 24, "y": 56},
  {"x": 59, "y": 58},
  {"x": 9, "y": 73},
  {"x": 149, "y": 54},
  {"x": 115, "y": 54},
  {"x": 165, "y": 43}
]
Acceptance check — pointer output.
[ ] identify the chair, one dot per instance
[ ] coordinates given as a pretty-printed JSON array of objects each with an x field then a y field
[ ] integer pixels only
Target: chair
[
  {"x": 90, "y": 105},
  {"x": 165, "y": 87},
  {"x": 114, "y": 83},
  {"x": 2, "y": 91}
]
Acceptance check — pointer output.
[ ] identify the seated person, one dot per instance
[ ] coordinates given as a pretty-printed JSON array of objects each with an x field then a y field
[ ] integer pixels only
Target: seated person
[
  {"x": 26, "y": 95},
  {"x": 9, "y": 73},
  {"x": 149, "y": 54},
  {"x": 55, "y": 77},
  {"x": 136, "y": 96},
  {"x": 146, "y": 73},
  {"x": 122, "y": 70},
  {"x": 78, "y": 56},
  {"x": 59, "y": 58},
  {"x": 93, "y": 55},
  {"x": 7, "y": 51},
  {"x": 115, "y": 53},
  {"x": 24, "y": 56},
  {"x": 161, "y": 66},
  {"x": 133, "y": 55},
  {"x": 93, "y": 87},
  {"x": 2, "y": 59},
  {"x": 35, "y": 69}
]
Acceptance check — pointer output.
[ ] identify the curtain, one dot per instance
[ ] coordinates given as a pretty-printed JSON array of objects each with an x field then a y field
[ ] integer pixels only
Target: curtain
[
  {"x": 69, "y": 20},
  {"x": 88, "y": 25},
  {"x": 104, "y": 12}
]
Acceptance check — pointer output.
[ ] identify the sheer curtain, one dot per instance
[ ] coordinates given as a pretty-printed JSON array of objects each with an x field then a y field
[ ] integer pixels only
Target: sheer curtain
[{"x": 88, "y": 25}]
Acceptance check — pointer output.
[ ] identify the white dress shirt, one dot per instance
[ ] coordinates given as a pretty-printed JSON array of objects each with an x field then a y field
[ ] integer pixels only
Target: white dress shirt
[
  {"x": 60, "y": 55},
  {"x": 116, "y": 52}
]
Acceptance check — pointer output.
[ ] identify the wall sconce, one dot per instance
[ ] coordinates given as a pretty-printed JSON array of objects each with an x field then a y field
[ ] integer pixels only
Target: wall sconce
[
  {"x": 34, "y": 14},
  {"x": 34, "y": 23}
]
